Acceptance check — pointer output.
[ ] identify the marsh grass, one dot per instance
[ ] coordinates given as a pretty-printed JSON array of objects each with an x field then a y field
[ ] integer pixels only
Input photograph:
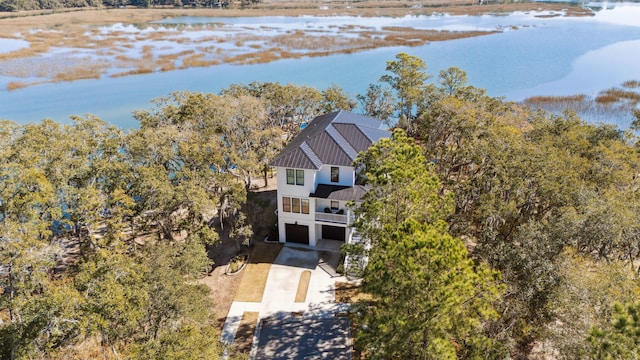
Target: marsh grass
[
  {"x": 612, "y": 105},
  {"x": 115, "y": 49},
  {"x": 15, "y": 85},
  {"x": 631, "y": 84},
  {"x": 198, "y": 60},
  {"x": 616, "y": 95},
  {"x": 85, "y": 68},
  {"x": 138, "y": 71}
]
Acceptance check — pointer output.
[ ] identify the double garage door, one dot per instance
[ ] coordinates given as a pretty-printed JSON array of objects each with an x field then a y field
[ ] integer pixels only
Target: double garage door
[
  {"x": 300, "y": 233},
  {"x": 297, "y": 233}
]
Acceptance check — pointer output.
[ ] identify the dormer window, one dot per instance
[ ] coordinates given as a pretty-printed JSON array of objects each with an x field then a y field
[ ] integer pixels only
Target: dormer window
[
  {"x": 335, "y": 174},
  {"x": 295, "y": 177}
]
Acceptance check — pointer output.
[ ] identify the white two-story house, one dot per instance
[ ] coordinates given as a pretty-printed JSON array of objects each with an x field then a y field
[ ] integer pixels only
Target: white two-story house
[{"x": 316, "y": 178}]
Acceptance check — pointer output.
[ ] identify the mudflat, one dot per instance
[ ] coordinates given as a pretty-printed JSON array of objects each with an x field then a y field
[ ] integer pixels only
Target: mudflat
[{"x": 90, "y": 51}]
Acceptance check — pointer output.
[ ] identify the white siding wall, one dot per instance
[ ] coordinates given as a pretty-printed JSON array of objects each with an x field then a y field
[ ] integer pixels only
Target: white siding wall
[
  {"x": 296, "y": 191},
  {"x": 311, "y": 179},
  {"x": 346, "y": 176}
]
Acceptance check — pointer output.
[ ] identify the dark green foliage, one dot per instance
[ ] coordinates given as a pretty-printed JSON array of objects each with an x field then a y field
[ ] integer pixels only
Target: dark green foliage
[
  {"x": 621, "y": 339},
  {"x": 430, "y": 301}
]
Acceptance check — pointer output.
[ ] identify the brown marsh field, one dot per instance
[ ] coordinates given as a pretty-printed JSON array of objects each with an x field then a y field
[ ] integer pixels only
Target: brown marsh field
[{"x": 93, "y": 43}]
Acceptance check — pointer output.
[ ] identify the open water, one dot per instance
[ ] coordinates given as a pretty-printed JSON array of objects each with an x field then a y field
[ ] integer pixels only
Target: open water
[{"x": 530, "y": 56}]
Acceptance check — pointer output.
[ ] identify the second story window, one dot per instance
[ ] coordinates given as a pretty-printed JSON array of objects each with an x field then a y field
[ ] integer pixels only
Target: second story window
[
  {"x": 291, "y": 180},
  {"x": 299, "y": 177},
  {"x": 335, "y": 174},
  {"x": 295, "y": 177}
]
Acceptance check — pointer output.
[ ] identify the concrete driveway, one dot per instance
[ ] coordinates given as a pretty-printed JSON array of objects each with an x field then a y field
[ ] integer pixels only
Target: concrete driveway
[
  {"x": 303, "y": 338},
  {"x": 288, "y": 329}
]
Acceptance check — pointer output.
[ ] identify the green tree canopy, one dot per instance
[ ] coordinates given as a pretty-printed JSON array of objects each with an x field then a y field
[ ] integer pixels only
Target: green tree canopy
[
  {"x": 429, "y": 299},
  {"x": 407, "y": 76}
]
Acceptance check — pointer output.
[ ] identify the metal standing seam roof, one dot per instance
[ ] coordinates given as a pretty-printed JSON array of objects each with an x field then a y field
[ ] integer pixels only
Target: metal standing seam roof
[{"x": 333, "y": 139}]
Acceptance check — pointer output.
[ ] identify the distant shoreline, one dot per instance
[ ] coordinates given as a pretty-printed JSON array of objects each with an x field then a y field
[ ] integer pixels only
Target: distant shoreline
[
  {"x": 13, "y": 22},
  {"x": 95, "y": 55}
]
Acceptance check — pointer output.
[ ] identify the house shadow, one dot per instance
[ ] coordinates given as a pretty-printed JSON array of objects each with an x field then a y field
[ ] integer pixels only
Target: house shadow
[{"x": 297, "y": 257}]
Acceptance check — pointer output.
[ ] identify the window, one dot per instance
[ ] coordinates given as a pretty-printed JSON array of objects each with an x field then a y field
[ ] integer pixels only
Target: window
[
  {"x": 295, "y": 177},
  {"x": 335, "y": 174},
  {"x": 334, "y": 205},
  {"x": 299, "y": 177},
  {"x": 295, "y": 205},
  {"x": 290, "y": 178},
  {"x": 286, "y": 204}
]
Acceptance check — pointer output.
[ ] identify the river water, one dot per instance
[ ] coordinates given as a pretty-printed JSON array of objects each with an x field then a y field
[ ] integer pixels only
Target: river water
[{"x": 530, "y": 56}]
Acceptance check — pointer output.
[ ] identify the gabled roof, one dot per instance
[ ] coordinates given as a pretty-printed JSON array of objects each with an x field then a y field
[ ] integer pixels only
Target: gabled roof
[{"x": 332, "y": 139}]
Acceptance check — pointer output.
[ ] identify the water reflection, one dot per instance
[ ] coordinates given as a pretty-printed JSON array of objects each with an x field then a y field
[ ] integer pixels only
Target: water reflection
[{"x": 9, "y": 45}]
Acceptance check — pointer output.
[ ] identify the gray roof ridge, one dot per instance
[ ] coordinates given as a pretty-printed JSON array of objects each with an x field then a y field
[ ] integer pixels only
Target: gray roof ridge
[
  {"x": 342, "y": 142},
  {"x": 369, "y": 132},
  {"x": 311, "y": 155}
]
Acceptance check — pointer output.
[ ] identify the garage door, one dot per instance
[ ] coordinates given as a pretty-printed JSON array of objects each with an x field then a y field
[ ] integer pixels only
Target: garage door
[
  {"x": 333, "y": 232},
  {"x": 297, "y": 233}
]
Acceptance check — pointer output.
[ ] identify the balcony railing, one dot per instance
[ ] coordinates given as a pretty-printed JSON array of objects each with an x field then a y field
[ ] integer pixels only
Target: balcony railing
[{"x": 332, "y": 218}]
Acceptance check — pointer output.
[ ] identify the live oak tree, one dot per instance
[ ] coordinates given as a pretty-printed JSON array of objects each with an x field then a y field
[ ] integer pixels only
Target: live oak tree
[
  {"x": 82, "y": 182},
  {"x": 526, "y": 186},
  {"x": 582, "y": 301},
  {"x": 289, "y": 106},
  {"x": 180, "y": 158},
  {"x": 378, "y": 102}
]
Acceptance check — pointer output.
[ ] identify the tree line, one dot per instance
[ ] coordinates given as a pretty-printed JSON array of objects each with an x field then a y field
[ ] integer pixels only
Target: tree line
[
  {"x": 104, "y": 232},
  {"x": 22, "y": 5},
  {"x": 497, "y": 231}
]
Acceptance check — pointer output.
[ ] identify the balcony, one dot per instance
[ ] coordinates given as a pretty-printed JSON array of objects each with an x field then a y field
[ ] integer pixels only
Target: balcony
[{"x": 333, "y": 218}]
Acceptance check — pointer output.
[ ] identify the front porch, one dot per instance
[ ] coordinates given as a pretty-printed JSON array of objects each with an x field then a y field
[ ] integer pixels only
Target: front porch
[{"x": 335, "y": 218}]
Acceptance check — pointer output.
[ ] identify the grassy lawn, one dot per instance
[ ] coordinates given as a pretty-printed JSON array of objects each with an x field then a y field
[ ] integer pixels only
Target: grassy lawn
[
  {"x": 303, "y": 286},
  {"x": 244, "y": 337},
  {"x": 349, "y": 293},
  {"x": 254, "y": 277}
]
